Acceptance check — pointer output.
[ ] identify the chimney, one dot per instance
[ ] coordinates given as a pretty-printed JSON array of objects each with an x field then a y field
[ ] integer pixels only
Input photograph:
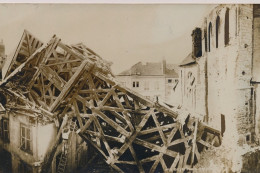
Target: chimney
[
  {"x": 164, "y": 66},
  {"x": 196, "y": 43},
  {"x": 2, "y": 49}
]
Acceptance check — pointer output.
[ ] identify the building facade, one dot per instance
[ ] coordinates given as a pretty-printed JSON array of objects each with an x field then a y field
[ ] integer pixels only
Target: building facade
[
  {"x": 25, "y": 140},
  {"x": 153, "y": 80},
  {"x": 219, "y": 79}
]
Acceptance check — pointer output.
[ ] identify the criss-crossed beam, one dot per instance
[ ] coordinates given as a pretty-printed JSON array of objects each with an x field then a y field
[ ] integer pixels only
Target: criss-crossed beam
[
  {"x": 125, "y": 127},
  {"x": 106, "y": 115},
  {"x": 26, "y": 47}
]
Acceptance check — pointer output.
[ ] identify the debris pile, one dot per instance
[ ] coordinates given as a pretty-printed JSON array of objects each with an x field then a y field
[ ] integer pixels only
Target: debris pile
[{"x": 61, "y": 83}]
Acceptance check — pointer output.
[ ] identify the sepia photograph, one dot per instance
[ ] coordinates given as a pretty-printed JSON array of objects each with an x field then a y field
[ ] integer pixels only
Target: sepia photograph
[{"x": 131, "y": 88}]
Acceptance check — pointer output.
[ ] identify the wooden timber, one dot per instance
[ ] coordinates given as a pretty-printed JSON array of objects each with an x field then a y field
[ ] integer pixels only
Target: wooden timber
[{"x": 122, "y": 125}]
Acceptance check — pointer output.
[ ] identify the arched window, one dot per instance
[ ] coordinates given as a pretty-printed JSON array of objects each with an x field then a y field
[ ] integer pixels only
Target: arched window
[
  {"x": 217, "y": 30},
  {"x": 209, "y": 33},
  {"x": 226, "y": 27}
]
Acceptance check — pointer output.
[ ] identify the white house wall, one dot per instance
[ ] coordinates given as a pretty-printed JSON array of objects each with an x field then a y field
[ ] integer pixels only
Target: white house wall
[{"x": 153, "y": 81}]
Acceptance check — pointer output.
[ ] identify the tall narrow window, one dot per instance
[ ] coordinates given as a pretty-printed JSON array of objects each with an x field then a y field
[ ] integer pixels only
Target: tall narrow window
[
  {"x": 196, "y": 42},
  {"x": 223, "y": 124},
  {"x": 4, "y": 129},
  {"x": 26, "y": 140},
  {"x": 209, "y": 33},
  {"x": 176, "y": 84},
  {"x": 217, "y": 30},
  {"x": 205, "y": 39},
  {"x": 133, "y": 84},
  {"x": 226, "y": 35}
]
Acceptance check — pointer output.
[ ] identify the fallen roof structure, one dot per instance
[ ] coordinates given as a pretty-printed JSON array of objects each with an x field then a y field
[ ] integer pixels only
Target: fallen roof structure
[{"x": 57, "y": 82}]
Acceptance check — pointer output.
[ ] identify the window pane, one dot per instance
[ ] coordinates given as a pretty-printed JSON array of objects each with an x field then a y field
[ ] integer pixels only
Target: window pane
[
  {"x": 22, "y": 143},
  {"x": 5, "y": 125},
  {"x": 26, "y": 144},
  {"x": 23, "y": 131},
  {"x": 28, "y": 147},
  {"x": 28, "y": 134}
]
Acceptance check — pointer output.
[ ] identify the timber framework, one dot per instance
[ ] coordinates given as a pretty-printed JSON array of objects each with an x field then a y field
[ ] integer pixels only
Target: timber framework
[{"x": 73, "y": 87}]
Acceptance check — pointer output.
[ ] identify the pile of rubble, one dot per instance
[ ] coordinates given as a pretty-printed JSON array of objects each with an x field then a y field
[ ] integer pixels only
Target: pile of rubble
[{"x": 55, "y": 82}]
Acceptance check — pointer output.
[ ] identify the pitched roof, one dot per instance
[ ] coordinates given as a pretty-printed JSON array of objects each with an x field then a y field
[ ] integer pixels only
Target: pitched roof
[
  {"x": 188, "y": 60},
  {"x": 171, "y": 73},
  {"x": 150, "y": 69},
  {"x": 125, "y": 73},
  {"x": 172, "y": 66}
]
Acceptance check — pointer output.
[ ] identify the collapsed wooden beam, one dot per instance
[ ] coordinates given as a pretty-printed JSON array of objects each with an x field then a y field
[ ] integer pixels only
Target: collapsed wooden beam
[
  {"x": 26, "y": 47},
  {"x": 82, "y": 68},
  {"x": 75, "y": 82}
]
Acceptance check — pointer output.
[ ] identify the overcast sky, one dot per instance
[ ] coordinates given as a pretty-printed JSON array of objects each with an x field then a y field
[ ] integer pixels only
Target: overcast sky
[{"x": 123, "y": 34}]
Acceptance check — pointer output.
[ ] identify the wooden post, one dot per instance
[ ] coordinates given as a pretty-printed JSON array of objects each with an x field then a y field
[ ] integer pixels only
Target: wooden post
[{"x": 194, "y": 141}]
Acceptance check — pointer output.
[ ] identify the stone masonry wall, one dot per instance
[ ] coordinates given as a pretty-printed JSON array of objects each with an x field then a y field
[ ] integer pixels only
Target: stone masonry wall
[
  {"x": 243, "y": 73},
  {"x": 256, "y": 66},
  {"x": 227, "y": 90},
  {"x": 218, "y": 64},
  {"x": 256, "y": 44}
]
